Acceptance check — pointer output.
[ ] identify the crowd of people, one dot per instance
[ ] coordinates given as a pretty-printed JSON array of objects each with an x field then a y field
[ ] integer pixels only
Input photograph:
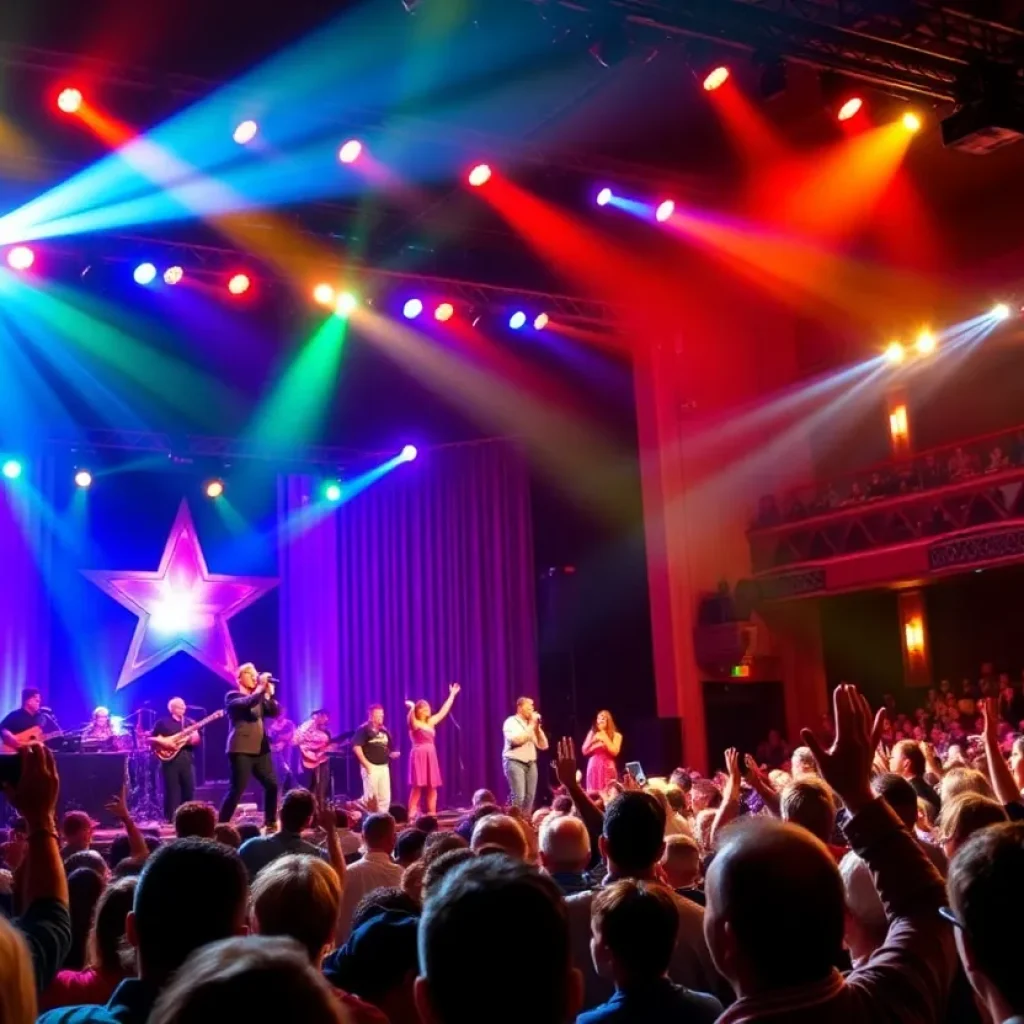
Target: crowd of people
[{"x": 851, "y": 881}]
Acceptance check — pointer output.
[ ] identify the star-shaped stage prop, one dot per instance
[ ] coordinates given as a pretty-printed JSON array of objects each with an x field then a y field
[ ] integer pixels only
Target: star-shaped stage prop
[{"x": 182, "y": 606}]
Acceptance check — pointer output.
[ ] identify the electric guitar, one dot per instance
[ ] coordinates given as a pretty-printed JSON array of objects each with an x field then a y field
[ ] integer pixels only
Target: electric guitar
[
  {"x": 33, "y": 735},
  {"x": 168, "y": 747},
  {"x": 315, "y": 752}
]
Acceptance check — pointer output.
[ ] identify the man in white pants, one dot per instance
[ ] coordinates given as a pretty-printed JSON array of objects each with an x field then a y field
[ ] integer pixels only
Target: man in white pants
[{"x": 372, "y": 746}]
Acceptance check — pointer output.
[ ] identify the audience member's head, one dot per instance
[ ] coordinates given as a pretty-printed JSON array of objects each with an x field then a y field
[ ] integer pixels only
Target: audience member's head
[
  {"x": 562, "y": 804},
  {"x": 705, "y": 795},
  {"x": 342, "y": 819},
  {"x": 963, "y": 816},
  {"x": 191, "y": 892},
  {"x": 564, "y": 845},
  {"x": 466, "y": 825},
  {"x": 253, "y": 979},
  {"x": 106, "y": 947},
  {"x": 866, "y": 924},
  {"x": 773, "y": 889},
  {"x": 227, "y": 834},
  {"x": 702, "y": 826},
  {"x": 958, "y": 781},
  {"x": 297, "y": 810},
  {"x": 18, "y": 1003},
  {"x": 441, "y": 842},
  {"x": 634, "y": 926},
  {"x": 803, "y": 762},
  {"x": 907, "y": 759},
  {"x": 379, "y": 833},
  {"x": 85, "y": 887},
  {"x": 633, "y": 836},
  {"x": 483, "y": 796},
  {"x": 984, "y": 895},
  {"x": 91, "y": 859},
  {"x": 500, "y": 830},
  {"x": 400, "y": 813},
  {"x": 483, "y": 909},
  {"x": 437, "y": 870},
  {"x": 427, "y": 823},
  {"x": 195, "y": 819},
  {"x": 899, "y": 794},
  {"x": 248, "y": 830},
  {"x": 807, "y": 802},
  {"x": 676, "y": 798},
  {"x": 385, "y": 898},
  {"x": 409, "y": 846},
  {"x": 681, "y": 861},
  {"x": 297, "y": 896},
  {"x": 77, "y": 829}
]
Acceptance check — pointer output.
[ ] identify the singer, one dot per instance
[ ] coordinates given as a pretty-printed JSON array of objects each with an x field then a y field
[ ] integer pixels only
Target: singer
[
  {"x": 523, "y": 738},
  {"x": 248, "y": 745},
  {"x": 424, "y": 770}
]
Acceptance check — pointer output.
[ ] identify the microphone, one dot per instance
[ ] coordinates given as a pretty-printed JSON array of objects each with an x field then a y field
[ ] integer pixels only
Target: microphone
[
  {"x": 274, "y": 679},
  {"x": 42, "y": 707}
]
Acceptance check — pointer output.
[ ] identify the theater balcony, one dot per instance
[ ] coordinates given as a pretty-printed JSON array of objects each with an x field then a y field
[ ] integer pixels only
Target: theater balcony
[{"x": 941, "y": 512}]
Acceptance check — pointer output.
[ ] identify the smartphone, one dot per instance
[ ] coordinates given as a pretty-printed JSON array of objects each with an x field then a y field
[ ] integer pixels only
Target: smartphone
[
  {"x": 635, "y": 769},
  {"x": 10, "y": 768}
]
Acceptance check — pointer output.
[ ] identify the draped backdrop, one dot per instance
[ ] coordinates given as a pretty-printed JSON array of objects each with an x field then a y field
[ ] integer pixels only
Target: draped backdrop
[{"x": 423, "y": 579}]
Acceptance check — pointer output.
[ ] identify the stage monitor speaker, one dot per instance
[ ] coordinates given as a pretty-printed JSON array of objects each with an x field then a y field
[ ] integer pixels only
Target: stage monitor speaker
[{"x": 740, "y": 715}]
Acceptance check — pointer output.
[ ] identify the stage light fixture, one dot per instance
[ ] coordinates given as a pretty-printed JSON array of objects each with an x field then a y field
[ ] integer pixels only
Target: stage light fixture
[
  {"x": 850, "y": 108},
  {"x": 239, "y": 284},
  {"x": 12, "y": 469},
  {"x": 83, "y": 478},
  {"x": 664, "y": 211},
  {"x": 895, "y": 352},
  {"x": 145, "y": 273},
  {"x": 245, "y": 132},
  {"x": 173, "y": 275},
  {"x": 540, "y": 321},
  {"x": 412, "y": 309},
  {"x": 214, "y": 488},
  {"x": 517, "y": 319},
  {"x": 346, "y": 304},
  {"x": 604, "y": 197},
  {"x": 479, "y": 175},
  {"x": 324, "y": 294},
  {"x": 1000, "y": 311},
  {"x": 444, "y": 312},
  {"x": 332, "y": 491},
  {"x": 408, "y": 453},
  {"x": 926, "y": 343},
  {"x": 21, "y": 257},
  {"x": 350, "y": 151},
  {"x": 69, "y": 101},
  {"x": 716, "y": 78},
  {"x": 911, "y": 121}
]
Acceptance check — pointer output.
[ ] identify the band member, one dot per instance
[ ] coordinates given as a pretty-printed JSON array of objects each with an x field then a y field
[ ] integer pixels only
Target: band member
[
  {"x": 372, "y": 746},
  {"x": 602, "y": 746},
  {"x": 179, "y": 772},
  {"x": 523, "y": 738},
  {"x": 281, "y": 731},
  {"x": 28, "y": 717},
  {"x": 100, "y": 731},
  {"x": 248, "y": 745},
  {"x": 424, "y": 769},
  {"x": 313, "y": 738}
]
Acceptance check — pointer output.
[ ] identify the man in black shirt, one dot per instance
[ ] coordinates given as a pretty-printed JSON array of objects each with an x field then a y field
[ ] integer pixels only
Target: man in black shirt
[
  {"x": 372, "y": 746},
  {"x": 29, "y": 716},
  {"x": 907, "y": 759},
  {"x": 179, "y": 772}
]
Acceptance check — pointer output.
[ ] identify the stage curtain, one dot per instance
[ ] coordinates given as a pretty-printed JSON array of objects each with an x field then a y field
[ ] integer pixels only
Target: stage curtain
[{"x": 431, "y": 582}]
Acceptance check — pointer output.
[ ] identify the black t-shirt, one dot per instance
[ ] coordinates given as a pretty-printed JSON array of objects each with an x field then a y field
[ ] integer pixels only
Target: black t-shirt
[
  {"x": 171, "y": 727},
  {"x": 20, "y": 720},
  {"x": 375, "y": 743}
]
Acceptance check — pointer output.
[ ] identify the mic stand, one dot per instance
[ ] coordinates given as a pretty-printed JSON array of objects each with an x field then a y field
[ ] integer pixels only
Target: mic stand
[{"x": 459, "y": 794}]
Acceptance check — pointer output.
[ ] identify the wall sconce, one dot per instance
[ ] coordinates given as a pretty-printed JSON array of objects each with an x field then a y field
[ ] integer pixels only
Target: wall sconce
[
  {"x": 913, "y": 633},
  {"x": 899, "y": 426}
]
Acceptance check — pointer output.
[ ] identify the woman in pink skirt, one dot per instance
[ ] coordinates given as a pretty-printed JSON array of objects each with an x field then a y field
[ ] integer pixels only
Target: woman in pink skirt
[
  {"x": 602, "y": 746},
  {"x": 424, "y": 770}
]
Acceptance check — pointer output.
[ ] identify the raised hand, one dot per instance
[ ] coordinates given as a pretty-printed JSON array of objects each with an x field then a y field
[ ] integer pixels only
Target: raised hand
[
  {"x": 752, "y": 768},
  {"x": 453, "y": 689},
  {"x": 410, "y": 704},
  {"x": 118, "y": 806},
  {"x": 990, "y": 713},
  {"x": 565, "y": 762},
  {"x": 35, "y": 793}
]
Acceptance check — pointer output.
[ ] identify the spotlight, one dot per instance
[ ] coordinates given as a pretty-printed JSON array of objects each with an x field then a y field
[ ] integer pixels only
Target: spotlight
[
  {"x": 412, "y": 309},
  {"x": 145, "y": 273},
  {"x": 408, "y": 453},
  {"x": 604, "y": 197},
  {"x": 69, "y": 101},
  {"x": 517, "y": 319},
  {"x": 894, "y": 352},
  {"x": 83, "y": 478},
  {"x": 716, "y": 78},
  {"x": 350, "y": 151},
  {"x": 911, "y": 121},
  {"x": 214, "y": 488},
  {"x": 479, "y": 175},
  {"x": 21, "y": 257},
  {"x": 173, "y": 275},
  {"x": 332, "y": 492},
  {"x": 925, "y": 343},
  {"x": 541, "y": 321},
  {"x": 444, "y": 312},
  {"x": 850, "y": 108},
  {"x": 245, "y": 132},
  {"x": 11, "y": 469},
  {"x": 1000, "y": 311},
  {"x": 324, "y": 294},
  {"x": 239, "y": 284},
  {"x": 664, "y": 211},
  {"x": 346, "y": 304}
]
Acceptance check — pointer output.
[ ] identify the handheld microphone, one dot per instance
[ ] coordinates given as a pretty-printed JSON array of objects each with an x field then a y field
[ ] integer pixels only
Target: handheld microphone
[
  {"x": 42, "y": 707},
  {"x": 274, "y": 679}
]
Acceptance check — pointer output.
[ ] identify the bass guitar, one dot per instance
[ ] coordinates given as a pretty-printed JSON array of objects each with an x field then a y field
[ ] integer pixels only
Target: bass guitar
[
  {"x": 168, "y": 747},
  {"x": 33, "y": 735}
]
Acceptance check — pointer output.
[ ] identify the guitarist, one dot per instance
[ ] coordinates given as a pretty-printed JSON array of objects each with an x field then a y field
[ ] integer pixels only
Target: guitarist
[
  {"x": 313, "y": 738},
  {"x": 28, "y": 717},
  {"x": 179, "y": 772}
]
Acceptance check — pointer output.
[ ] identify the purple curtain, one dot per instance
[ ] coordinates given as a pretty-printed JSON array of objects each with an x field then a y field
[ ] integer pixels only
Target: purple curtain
[{"x": 431, "y": 581}]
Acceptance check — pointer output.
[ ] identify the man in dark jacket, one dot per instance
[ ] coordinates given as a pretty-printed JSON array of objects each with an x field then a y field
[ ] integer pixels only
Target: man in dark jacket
[{"x": 248, "y": 746}]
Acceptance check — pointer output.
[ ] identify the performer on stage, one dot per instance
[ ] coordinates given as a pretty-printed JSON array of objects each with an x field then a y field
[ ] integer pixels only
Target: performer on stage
[
  {"x": 281, "y": 731},
  {"x": 313, "y": 738},
  {"x": 100, "y": 731},
  {"x": 372, "y": 746},
  {"x": 602, "y": 746},
  {"x": 179, "y": 772},
  {"x": 424, "y": 770},
  {"x": 523, "y": 738},
  {"x": 29, "y": 716},
  {"x": 248, "y": 746}
]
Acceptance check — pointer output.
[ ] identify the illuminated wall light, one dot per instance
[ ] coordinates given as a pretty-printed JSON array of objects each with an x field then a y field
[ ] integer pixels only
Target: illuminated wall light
[
  {"x": 541, "y": 321},
  {"x": 444, "y": 312},
  {"x": 323, "y": 293},
  {"x": 346, "y": 304},
  {"x": 926, "y": 343},
  {"x": 173, "y": 275},
  {"x": 1000, "y": 311},
  {"x": 895, "y": 352},
  {"x": 239, "y": 284},
  {"x": 912, "y": 121},
  {"x": 245, "y": 132},
  {"x": 913, "y": 635},
  {"x": 604, "y": 197},
  {"x": 716, "y": 78},
  {"x": 479, "y": 175},
  {"x": 145, "y": 273},
  {"x": 899, "y": 425},
  {"x": 408, "y": 453},
  {"x": 412, "y": 309},
  {"x": 350, "y": 151},
  {"x": 517, "y": 319},
  {"x": 69, "y": 101},
  {"x": 21, "y": 257},
  {"x": 83, "y": 478},
  {"x": 11, "y": 469},
  {"x": 850, "y": 108},
  {"x": 332, "y": 491},
  {"x": 664, "y": 211},
  {"x": 214, "y": 488}
]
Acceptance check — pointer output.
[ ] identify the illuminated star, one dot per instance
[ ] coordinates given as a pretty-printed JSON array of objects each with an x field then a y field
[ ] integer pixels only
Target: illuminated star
[{"x": 181, "y": 606}]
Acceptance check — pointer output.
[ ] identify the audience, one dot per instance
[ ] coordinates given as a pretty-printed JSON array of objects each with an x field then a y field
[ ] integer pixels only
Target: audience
[
  {"x": 374, "y": 869},
  {"x": 17, "y": 977},
  {"x": 441, "y": 867},
  {"x": 680, "y": 866},
  {"x": 409, "y": 846},
  {"x": 501, "y": 831},
  {"x": 195, "y": 820},
  {"x": 226, "y": 833},
  {"x": 963, "y": 816},
  {"x": 85, "y": 887},
  {"x": 907, "y": 760},
  {"x": 565, "y": 853},
  {"x": 807, "y": 802},
  {"x": 296, "y": 815},
  {"x": 77, "y": 829}
]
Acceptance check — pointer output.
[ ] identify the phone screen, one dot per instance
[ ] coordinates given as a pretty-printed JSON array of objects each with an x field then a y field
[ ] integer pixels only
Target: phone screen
[{"x": 636, "y": 770}]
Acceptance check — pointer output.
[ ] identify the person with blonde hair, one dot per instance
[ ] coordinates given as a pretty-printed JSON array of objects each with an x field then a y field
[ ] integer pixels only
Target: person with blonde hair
[
  {"x": 965, "y": 815},
  {"x": 18, "y": 991},
  {"x": 424, "y": 768},
  {"x": 963, "y": 780}
]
